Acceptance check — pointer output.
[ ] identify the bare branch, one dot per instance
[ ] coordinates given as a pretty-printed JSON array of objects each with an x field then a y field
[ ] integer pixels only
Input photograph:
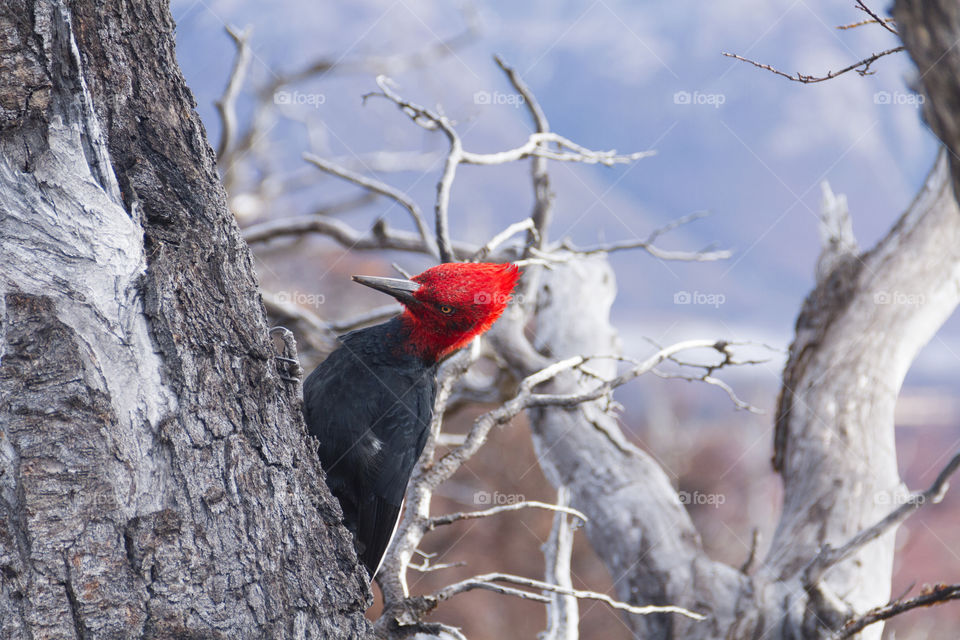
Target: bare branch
[
  {"x": 939, "y": 594},
  {"x": 862, "y": 23},
  {"x": 450, "y": 518},
  {"x": 656, "y": 252},
  {"x": 647, "y": 244},
  {"x": 487, "y": 581},
  {"x": 543, "y": 197},
  {"x": 862, "y": 67},
  {"x": 411, "y": 529},
  {"x": 716, "y": 382},
  {"x": 542, "y": 194},
  {"x": 379, "y": 237},
  {"x": 537, "y": 145},
  {"x": 882, "y": 22},
  {"x": 382, "y": 188},
  {"x": 563, "y": 616},
  {"x": 830, "y": 556},
  {"x": 426, "y": 567},
  {"x": 432, "y": 121},
  {"x": 227, "y": 104},
  {"x": 569, "y": 400},
  {"x": 403, "y": 272},
  {"x": 524, "y": 225},
  {"x": 563, "y": 150},
  {"x": 536, "y": 111}
]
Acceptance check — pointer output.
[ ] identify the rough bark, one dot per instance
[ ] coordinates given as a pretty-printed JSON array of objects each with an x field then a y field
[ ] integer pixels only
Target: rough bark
[{"x": 154, "y": 475}]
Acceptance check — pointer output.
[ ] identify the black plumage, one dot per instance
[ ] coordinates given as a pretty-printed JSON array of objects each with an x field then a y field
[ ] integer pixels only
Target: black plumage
[{"x": 370, "y": 404}]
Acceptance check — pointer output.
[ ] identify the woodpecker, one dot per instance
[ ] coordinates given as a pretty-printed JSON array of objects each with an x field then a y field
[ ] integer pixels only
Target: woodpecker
[{"x": 370, "y": 403}]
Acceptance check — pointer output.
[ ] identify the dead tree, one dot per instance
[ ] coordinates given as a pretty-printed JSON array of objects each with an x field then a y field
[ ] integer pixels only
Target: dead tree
[
  {"x": 153, "y": 477},
  {"x": 830, "y": 561}
]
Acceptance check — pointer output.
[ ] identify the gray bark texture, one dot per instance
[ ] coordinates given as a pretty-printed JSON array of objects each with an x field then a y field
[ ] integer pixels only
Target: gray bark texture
[{"x": 155, "y": 477}]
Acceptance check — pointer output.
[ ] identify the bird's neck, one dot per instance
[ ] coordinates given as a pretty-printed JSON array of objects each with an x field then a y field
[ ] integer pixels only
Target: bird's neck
[{"x": 427, "y": 342}]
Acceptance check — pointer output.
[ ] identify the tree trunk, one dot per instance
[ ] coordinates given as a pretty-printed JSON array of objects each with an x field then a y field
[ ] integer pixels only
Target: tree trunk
[{"x": 154, "y": 478}]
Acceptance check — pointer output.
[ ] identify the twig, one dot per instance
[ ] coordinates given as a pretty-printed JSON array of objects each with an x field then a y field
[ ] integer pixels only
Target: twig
[
  {"x": 716, "y": 382},
  {"x": 227, "y": 104},
  {"x": 494, "y": 242},
  {"x": 432, "y": 121},
  {"x": 403, "y": 272},
  {"x": 537, "y": 145},
  {"x": 487, "y": 581},
  {"x": 805, "y": 79},
  {"x": 862, "y": 23},
  {"x": 543, "y": 197},
  {"x": 379, "y": 237},
  {"x": 883, "y": 23},
  {"x": 450, "y": 518},
  {"x": 648, "y": 245},
  {"x": 251, "y": 142},
  {"x": 931, "y": 596},
  {"x": 656, "y": 252},
  {"x": 533, "y": 106},
  {"x": 563, "y": 150},
  {"x": 525, "y": 398},
  {"x": 569, "y": 400},
  {"x": 384, "y": 189},
  {"x": 829, "y": 556},
  {"x": 426, "y": 567}
]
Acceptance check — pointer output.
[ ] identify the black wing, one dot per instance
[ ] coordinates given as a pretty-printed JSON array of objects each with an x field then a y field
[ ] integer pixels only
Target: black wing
[{"x": 372, "y": 420}]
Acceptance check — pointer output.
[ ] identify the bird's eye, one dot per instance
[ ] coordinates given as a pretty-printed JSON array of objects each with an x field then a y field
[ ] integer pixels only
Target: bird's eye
[{"x": 446, "y": 310}]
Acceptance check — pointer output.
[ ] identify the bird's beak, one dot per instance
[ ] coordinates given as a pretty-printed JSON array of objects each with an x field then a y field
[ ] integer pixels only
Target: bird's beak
[{"x": 402, "y": 290}]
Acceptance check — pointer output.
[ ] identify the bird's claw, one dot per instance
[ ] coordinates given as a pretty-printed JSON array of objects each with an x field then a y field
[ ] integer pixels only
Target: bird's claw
[{"x": 289, "y": 358}]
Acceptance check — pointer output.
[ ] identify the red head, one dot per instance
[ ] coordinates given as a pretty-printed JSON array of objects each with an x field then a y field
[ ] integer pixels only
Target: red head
[{"x": 448, "y": 305}]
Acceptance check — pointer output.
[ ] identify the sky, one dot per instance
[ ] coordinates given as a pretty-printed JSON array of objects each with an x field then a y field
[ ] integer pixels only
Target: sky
[{"x": 739, "y": 142}]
